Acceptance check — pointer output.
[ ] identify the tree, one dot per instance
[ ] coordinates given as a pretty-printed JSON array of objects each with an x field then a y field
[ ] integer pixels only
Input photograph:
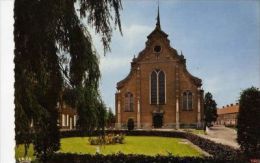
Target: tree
[
  {"x": 53, "y": 49},
  {"x": 248, "y": 125},
  {"x": 210, "y": 109},
  {"x": 110, "y": 118}
]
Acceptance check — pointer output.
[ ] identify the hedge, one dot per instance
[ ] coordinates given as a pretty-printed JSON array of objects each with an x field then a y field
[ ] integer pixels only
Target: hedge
[
  {"x": 130, "y": 158},
  {"x": 77, "y": 133}
]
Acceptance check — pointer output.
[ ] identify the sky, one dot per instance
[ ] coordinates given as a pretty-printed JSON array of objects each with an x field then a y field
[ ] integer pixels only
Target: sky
[{"x": 219, "y": 39}]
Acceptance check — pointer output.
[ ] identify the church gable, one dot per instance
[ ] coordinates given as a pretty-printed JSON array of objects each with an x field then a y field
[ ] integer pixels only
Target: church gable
[{"x": 157, "y": 47}]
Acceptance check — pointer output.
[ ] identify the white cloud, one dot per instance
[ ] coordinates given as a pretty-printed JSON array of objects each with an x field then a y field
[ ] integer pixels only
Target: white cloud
[
  {"x": 133, "y": 36},
  {"x": 136, "y": 33},
  {"x": 108, "y": 64}
]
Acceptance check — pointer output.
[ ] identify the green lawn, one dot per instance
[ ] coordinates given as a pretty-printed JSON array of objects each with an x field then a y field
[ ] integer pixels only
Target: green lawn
[{"x": 146, "y": 145}]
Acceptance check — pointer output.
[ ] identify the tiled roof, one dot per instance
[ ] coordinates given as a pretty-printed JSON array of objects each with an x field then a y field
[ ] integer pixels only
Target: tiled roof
[{"x": 228, "y": 109}]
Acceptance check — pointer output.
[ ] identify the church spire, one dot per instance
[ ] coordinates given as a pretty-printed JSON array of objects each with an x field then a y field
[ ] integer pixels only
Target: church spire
[{"x": 158, "y": 25}]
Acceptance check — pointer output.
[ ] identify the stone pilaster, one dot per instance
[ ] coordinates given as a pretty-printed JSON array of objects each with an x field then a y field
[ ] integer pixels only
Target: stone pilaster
[
  {"x": 199, "y": 114},
  {"x": 200, "y": 95},
  {"x": 177, "y": 113},
  {"x": 138, "y": 114},
  {"x": 118, "y": 125}
]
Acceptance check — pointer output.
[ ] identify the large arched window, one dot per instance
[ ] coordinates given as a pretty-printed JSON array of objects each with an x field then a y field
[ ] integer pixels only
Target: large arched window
[
  {"x": 129, "y": 102},
  {"x": 161, "y": 84},
  {"x": 187, "y": 100},
  {"x": 154, "y": 88},
  {"x": 157, "y": 89}
]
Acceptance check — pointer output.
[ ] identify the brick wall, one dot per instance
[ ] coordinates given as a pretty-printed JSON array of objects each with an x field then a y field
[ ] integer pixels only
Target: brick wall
[{"x": 178, "y": 80}]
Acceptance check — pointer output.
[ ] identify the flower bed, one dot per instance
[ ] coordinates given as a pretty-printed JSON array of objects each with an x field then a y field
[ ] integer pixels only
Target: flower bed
[{"x": 107, "y": 139}]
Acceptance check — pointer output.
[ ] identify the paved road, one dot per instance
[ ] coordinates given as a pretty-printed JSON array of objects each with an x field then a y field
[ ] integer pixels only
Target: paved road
[{"x": 223, "y": 135}]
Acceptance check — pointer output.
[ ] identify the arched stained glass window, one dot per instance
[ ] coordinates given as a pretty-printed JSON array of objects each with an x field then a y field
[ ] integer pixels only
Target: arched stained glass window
[
  {"x": 161, "y": 87},
  {"x": 157, "y": 89},
  {"x": 184, "y": 101},
  {"x": 129, "y": 102},
  {"x": 187, "y": 100},
  {"x": 154, "y": 88}
]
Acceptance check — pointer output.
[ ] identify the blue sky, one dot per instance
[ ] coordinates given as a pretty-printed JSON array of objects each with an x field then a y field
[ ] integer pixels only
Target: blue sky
[{"x": 219, "y": 39}]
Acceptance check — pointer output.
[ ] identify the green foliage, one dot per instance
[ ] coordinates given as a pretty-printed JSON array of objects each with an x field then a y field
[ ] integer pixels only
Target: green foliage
[
  {"x": 53, "y": 50},
  {"x": 210, "y": 109},
  {"x": 130, "y": 124},
  {"x": 248, "y": 125},
  {"x": 111, "y": 119}
]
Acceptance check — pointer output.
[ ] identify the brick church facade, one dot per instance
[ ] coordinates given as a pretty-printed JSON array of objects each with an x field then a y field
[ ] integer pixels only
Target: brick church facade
[{"x": 159, "y": 92}]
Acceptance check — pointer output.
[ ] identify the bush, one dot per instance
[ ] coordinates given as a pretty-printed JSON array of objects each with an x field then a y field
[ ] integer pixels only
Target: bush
[
  {"x": 107, "y": 139},
  {"x": 130, "y": 124},
  {"x": 248, "y": 126}
]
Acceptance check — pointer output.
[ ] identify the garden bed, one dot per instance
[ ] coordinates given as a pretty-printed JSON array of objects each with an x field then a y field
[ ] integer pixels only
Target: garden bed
[{"x": 218, "y": 152}]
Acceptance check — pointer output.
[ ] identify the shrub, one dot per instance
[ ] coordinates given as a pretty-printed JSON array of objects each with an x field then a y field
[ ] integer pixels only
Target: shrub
[
  {"x": 107, "y": 139},
  {"x": 130, "y": 124},
  {"x": 248, "y": 126}
]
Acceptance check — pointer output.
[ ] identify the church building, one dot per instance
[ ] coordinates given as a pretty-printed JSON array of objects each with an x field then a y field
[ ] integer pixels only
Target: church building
[{"x": 159, "y": 92}]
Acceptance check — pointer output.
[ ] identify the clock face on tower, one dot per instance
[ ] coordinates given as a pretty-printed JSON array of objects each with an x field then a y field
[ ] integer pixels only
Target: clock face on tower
[{"x": 157, "y": 48}]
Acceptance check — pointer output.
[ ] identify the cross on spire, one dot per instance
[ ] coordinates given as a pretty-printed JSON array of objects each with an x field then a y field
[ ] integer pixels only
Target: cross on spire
[{"x": 158, "y": 25}]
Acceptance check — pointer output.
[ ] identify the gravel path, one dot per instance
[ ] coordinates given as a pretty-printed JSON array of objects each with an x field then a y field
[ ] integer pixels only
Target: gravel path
[{"x": 223, "y": 135}]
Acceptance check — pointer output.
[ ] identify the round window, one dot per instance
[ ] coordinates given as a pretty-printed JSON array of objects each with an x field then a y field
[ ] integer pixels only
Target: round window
[{"x": 157, "y": 48}]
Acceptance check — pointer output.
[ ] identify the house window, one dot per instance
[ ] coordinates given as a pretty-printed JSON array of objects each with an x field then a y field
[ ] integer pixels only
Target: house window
[
  {"x": 129, "y": 102},
  {"x": 157, "y": 87},
  {"x": 187, "y": 100}
]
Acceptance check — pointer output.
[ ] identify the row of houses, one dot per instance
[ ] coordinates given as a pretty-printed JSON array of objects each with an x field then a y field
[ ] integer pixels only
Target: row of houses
[
  {"x": 67, "y": 117},
  {"x": 227, "y": 115}
]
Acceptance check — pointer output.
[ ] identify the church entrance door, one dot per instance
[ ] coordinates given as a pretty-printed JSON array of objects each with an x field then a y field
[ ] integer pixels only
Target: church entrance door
[{"x": 157, "y": 120}]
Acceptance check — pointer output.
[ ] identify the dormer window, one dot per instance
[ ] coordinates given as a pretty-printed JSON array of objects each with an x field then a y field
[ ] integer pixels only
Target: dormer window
[{"x": 157, "y": 48}]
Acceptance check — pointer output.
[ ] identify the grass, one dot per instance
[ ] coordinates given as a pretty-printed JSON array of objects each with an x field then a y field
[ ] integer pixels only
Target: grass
[{"x": 146, "y": 145}]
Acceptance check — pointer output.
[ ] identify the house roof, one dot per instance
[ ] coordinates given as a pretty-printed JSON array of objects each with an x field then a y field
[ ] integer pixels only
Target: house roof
[{"x": 228, "y": 109}]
